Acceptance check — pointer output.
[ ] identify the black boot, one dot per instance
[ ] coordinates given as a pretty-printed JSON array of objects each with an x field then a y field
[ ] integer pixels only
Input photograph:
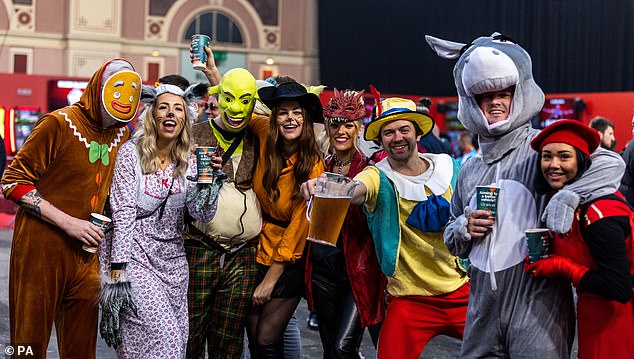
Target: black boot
[
  {"x": 271, "y": 351},
  {"x": 253, "y": 351}
]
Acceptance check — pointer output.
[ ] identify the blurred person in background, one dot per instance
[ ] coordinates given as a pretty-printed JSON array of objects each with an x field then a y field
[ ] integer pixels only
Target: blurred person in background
[
  {"x": 435, "y": 143},
  {"x": 173, "y": 79},
  {"x": 605, "y": 128},
  {"x": 211, "y": 108},
  {"x": 3, "y": 157},
  {"x": 467, "y": 147},
  {"x": 627, "y": 182}
]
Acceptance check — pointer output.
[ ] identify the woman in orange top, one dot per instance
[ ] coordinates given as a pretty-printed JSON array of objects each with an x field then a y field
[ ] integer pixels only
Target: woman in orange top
[{"x": 288, "y": 156}]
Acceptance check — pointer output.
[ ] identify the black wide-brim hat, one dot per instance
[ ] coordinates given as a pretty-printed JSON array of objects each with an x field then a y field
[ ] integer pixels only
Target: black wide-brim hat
[{"x": 272, "y": 95}]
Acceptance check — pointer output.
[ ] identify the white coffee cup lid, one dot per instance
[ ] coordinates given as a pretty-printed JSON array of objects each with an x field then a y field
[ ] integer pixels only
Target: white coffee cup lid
[
  {"x": 536, "y": 230},
  {"x": 100, "y": 217}
]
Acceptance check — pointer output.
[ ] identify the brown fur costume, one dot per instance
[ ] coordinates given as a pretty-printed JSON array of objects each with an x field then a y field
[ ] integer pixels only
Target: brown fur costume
[{"x": 69, "y": 159}]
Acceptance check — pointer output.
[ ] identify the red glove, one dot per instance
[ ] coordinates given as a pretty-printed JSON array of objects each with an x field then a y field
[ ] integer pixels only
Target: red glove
[{"x": 556, "y": 267}]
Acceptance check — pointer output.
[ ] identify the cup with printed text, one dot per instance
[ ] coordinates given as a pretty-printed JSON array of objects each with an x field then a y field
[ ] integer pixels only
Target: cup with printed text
[{"x": 103, "y": 223}]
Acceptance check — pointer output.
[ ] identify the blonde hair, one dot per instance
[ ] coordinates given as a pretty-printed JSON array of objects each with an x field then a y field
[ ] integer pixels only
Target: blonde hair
[
  {"x": 355, "y": 140},
  {"x": 321, "y": 136},
  {"x": 146, "y": 144}
]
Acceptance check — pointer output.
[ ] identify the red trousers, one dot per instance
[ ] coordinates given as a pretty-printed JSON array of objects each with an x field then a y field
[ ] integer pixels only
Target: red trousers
[
  {"x": 606, "y": 327},
  {"x": 53, "y": 280},
  {"x": 412, "y": 321}
]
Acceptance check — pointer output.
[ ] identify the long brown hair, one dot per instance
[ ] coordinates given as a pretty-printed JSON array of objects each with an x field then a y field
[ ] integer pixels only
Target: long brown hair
[{"x": 307, "y": 155}]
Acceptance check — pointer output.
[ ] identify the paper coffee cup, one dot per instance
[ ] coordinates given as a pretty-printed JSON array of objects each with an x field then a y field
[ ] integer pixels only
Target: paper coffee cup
[
  {"x": 203, "y": 164},
  {"x": 538, "y": 243},
  {"x": 199, "y": 42},
  {"x": 100, "y": 221},
  {"x": 487, "y": 198}
]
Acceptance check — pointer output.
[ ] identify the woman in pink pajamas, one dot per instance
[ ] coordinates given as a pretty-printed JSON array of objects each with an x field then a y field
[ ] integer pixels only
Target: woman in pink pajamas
[{"x": 145, "y": 258}]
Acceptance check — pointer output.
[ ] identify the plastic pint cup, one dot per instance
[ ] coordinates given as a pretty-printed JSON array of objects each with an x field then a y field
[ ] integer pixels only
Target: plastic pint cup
[
  {"x": 199, "y": 42},
  {"x": 100, "y": 221},
  {"x": 538, "y": 242},
  {"x": 204, "y": 171},
  {"x": 327, "y": 209}
]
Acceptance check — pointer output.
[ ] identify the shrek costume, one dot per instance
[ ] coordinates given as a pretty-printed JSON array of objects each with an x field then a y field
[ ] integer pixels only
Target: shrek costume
[
  {"x": 511, "y": 313},
  {"x": 221, "y": 252},
  {"x": 68, "y": 159}
]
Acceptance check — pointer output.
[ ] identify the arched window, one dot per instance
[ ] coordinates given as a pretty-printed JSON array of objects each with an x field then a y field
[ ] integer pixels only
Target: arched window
[{"x": 219, "y": 27}]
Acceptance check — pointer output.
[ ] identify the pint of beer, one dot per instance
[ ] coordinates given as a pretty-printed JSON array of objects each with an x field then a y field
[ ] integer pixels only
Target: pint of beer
[{"x": 328, "y": 207}]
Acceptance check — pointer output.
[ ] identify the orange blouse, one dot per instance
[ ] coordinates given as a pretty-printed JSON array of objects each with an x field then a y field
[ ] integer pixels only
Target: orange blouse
[{"x": 279, "y": 244}]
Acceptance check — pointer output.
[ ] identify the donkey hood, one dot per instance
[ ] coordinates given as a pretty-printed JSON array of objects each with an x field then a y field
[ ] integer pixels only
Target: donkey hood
[{"x": 490, "y": 64}]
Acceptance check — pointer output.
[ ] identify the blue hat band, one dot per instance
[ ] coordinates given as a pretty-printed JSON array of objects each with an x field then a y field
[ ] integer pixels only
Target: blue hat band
[{"x": 395, "y": 109}]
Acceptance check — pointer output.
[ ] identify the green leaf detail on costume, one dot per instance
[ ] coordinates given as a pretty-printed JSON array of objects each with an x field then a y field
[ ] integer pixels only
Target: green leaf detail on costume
[{"x": 98, "y": 151}]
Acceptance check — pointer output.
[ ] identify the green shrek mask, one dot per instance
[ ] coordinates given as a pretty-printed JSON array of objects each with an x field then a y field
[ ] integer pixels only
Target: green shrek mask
[{"x": 237, "y": 93}]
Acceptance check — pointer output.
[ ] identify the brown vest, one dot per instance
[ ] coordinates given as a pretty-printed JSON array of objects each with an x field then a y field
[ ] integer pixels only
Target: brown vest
[{"x": 204, "y": 136}]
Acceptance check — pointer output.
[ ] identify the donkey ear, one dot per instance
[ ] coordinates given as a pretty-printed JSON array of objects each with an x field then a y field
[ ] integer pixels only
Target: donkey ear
[
  {"x": 196, "y": 92},
  {"x": 444, "y": 48},
  {"x": 148, "y": 94}
]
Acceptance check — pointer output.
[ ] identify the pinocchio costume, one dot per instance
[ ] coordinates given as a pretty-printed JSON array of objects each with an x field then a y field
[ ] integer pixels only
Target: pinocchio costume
[{"x": 68, "y": 159}]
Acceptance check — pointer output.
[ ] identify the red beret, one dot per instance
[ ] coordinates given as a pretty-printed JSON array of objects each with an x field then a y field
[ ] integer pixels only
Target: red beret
[{"x": 570, "y": 132}]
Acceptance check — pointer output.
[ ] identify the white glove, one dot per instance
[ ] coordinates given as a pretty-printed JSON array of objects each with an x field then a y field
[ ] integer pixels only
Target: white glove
[{"x": 559, "y": 212}]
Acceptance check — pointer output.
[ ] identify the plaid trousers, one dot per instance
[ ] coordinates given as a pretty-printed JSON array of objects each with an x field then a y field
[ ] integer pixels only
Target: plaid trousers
[{"x": 219, "y": 298}]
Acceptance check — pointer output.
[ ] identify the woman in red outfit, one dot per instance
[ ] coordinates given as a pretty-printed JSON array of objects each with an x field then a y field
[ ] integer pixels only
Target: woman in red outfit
[
  {"x": 344, "y": 283},
  {"x": 597, "y": 254}
]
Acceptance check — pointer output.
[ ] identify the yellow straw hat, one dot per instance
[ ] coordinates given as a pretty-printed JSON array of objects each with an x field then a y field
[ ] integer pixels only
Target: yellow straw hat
[{"x": 396, "y": 108}]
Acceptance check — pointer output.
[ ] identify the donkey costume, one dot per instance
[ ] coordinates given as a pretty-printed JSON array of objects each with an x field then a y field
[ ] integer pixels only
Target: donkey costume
[{"x": 511, "y": 313}]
